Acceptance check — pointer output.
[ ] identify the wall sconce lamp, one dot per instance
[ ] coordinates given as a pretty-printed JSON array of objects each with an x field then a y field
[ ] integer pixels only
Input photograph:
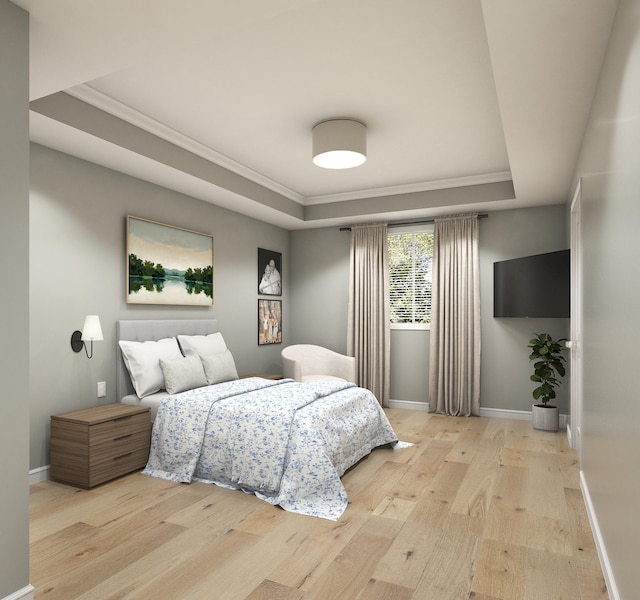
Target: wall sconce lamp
[{"x": 91, "y": 331}]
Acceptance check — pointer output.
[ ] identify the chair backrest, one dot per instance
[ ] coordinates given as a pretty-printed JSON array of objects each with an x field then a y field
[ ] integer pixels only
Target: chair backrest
[{"x": 301, "y": 361}]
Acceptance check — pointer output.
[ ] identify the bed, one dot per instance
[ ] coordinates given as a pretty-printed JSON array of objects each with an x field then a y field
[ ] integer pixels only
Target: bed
[{"x": 287, "y": 442}]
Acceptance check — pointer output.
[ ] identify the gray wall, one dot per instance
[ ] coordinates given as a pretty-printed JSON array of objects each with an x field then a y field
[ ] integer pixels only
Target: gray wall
[
  {"x": 14, "y": 316},
  {"x": 78, "y": 267},
  {"x": 410, "y": 365},
  {"x": 320, "y": 287},
  {"x": 505, "y": 357},
  {"x": 320, "y": 275},
  {"x": 610, "y": 168}
]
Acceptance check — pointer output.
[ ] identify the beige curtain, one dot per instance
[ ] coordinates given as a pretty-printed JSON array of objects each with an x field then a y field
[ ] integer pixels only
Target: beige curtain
[
  {"x": 368, "y": 324},
  {"x": 454, "y": 366}
]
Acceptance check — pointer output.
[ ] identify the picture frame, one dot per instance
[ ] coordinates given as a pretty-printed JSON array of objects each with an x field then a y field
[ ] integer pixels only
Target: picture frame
[
  {"x": 269, "y": 272},
  {"x": 269, "y": 322},
  {"x": 168, "y": 265}
]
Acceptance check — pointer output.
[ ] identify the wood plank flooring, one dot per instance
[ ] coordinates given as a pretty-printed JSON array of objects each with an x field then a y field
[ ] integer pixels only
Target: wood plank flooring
[{"x": 480, "y": 508}]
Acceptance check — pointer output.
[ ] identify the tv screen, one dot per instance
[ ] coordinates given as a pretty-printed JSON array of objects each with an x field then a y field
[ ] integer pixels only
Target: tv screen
[{"x": 533, "y": 286}]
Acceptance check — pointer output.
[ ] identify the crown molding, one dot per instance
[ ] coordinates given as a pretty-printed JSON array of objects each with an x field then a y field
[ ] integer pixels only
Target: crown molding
[
  {"x": 93, "y": 97},
  {"x": 410, "y": 188},
  {"x": 102, "y": 101}
]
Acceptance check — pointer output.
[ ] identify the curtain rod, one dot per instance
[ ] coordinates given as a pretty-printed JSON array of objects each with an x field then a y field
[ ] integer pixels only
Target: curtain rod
[{"x": 425, "y": 222}]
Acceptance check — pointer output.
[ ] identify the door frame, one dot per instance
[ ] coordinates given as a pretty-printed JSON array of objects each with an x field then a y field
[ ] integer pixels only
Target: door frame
[{"x": 575, "y": 429}]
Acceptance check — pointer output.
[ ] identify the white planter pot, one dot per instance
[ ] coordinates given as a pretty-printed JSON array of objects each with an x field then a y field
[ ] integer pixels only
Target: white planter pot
[{"x": 545, "y": 418}]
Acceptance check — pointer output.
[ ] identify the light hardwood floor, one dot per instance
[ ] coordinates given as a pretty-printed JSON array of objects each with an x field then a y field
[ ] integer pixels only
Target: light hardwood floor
[{"x": 480, "y": 508}]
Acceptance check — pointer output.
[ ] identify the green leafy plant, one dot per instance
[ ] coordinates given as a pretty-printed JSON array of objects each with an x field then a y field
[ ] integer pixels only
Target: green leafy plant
[{"x": 548, "y": 366}]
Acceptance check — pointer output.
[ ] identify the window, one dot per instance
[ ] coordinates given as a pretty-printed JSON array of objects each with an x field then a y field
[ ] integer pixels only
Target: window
[{"x": 410, "y": 261}]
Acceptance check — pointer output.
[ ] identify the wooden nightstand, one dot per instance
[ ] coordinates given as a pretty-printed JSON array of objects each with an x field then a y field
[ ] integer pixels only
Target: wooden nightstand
[{"x": 97, "y": 444}]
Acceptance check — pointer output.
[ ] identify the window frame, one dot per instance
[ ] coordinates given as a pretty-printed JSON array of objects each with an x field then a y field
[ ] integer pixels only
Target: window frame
[{"x": 397, "y": 230}]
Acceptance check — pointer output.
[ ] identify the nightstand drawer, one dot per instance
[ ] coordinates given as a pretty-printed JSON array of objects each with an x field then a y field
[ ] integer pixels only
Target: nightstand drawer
[
  {"x": 118, "y": 446},
  {"x": 120, "y": 427},
  {"x": 89, "y": 434},
  {"x": 113, "y": 467}
]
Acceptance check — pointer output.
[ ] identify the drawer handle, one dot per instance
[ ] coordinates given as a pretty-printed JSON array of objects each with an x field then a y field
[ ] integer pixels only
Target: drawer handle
[
  {"x": 123, "y": 456},
  {"x": 122, "y": 437},
  {"x": 122, "y": 418}
]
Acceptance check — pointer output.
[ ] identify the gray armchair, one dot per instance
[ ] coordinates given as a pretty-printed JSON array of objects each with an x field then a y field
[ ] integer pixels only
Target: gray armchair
[{"x": 306, "y": 362}]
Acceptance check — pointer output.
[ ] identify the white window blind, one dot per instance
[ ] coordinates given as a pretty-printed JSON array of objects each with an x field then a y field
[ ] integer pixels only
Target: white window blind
[{"x": 410, "y": 263}]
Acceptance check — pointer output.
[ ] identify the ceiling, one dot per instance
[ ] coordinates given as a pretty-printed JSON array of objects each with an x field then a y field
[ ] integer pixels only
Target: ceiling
[{"x": 469, "y": 104}]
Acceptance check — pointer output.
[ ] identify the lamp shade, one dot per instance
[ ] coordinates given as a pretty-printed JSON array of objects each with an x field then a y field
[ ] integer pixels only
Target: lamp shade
[
  {"x": 91, "y": 331},
  {"x": 339, "y": 144}
]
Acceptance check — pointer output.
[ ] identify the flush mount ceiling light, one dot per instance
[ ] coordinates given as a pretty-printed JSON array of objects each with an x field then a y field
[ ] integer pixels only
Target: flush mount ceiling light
[{"x": 339, "y": 144}]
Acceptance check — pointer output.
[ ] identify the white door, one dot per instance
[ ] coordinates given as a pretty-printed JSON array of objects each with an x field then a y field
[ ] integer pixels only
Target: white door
[{"x": 575, "y": 361}]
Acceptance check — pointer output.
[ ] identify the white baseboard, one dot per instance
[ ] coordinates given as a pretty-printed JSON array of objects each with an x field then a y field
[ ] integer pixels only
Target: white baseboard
[
  {"x": 520, "y": 415},
  {"x": 505, "y": 413},
  {"x": 607, "y": 571},
  {"x": 26, "y": 593},
  {"x": 39, "y": 474},
  {"x": 496, "y": 413},
  {"x": 409, "y": 405}
]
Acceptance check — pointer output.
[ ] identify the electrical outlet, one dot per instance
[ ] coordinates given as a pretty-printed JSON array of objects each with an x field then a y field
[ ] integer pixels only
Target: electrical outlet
[{"x": 102, "y": 389}]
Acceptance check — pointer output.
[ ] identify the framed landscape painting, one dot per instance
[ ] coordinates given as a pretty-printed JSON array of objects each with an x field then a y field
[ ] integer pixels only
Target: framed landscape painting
[
  {"x": 168, "y": 265},
  {"x": 269, "y": 322}
]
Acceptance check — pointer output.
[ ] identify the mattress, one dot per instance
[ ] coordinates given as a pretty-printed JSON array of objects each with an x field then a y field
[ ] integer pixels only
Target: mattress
[{"x": 152, "y": 401}]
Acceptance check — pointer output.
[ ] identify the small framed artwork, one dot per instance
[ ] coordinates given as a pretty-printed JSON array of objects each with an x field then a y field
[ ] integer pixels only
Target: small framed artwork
[
  {"x": 269, "y": 272},
  {"x": 168, "y": 265},
  {"x": 269, "y": 322}
]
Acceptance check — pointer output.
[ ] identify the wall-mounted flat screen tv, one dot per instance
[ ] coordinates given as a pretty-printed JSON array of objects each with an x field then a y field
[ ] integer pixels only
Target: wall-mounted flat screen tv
[{"x": 533, "y": 286}]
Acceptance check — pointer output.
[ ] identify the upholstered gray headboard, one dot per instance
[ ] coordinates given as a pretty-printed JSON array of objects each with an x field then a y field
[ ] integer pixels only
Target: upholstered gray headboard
[{"x": 145, "y": 330}]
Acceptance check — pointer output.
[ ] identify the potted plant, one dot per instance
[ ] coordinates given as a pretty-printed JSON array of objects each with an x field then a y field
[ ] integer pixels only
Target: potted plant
[{"x": 548, "y": 370}]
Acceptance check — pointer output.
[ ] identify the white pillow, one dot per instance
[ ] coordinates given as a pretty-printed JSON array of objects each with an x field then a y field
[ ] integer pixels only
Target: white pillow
[
  {"x": 143, "y": 363},
  {"x": 219, "y": 367},
  {"x": 202, "y": 344},
  {"x": 181, "y": 374}
]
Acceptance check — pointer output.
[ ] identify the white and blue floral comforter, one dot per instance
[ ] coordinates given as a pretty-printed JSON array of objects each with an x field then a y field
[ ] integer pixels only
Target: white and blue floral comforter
[{"x": 287, "y": 442}]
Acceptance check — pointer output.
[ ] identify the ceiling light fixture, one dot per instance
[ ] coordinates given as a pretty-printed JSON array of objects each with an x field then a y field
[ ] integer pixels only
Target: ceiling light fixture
[{"x": 339, "y": 144}]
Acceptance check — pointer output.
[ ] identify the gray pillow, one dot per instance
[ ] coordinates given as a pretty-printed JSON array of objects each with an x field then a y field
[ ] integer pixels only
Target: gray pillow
[
  {"x": 219, "y": 367},
  {"x": 183, "y": 374}
]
